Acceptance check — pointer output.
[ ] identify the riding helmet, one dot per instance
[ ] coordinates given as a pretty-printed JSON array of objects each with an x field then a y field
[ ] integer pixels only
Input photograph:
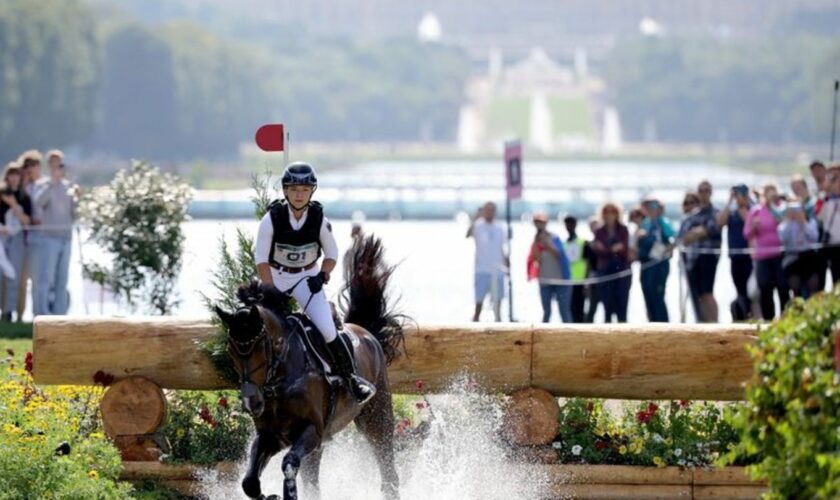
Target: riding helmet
[{"x": 299, "y": 173}]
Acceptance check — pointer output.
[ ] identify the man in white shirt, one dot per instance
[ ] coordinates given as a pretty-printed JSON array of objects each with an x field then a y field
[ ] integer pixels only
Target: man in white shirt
[
  {"x": 491, "y": 263},
  {"x": 291, "y": 237}
]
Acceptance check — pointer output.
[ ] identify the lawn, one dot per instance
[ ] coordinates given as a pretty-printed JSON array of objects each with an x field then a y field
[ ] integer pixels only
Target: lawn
[{"x": 15, "y": 330}]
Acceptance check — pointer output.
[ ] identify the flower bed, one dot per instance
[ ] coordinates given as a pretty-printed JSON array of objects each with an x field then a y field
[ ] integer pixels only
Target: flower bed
[{"x": 52, "y": 444}]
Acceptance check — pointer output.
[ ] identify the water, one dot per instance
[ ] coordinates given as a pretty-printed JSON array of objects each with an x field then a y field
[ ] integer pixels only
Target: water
[
  {"x": 434, "y": 280},
  {"x": 461, "y": 458}
]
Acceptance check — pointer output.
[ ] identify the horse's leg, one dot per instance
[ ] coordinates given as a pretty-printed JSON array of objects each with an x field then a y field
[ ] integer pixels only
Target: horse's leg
[
  {"x": 376, "y": 422},
  {"x": 311, "y": 471},
  {"x": 262, "y": 449},
  {"x": 308, "y": 441}
]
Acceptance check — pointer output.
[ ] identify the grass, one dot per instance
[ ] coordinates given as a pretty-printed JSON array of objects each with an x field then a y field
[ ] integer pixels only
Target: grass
[
  {"x": 19, "y": 346},
  {"x": 571, "y": 116},
  {"x": 15, "y": 330},
  {"x": 509, "y": 117}
]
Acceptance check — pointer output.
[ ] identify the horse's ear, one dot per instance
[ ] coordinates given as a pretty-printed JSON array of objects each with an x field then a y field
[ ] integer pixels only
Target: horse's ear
[{"x": 223, "y": 315}]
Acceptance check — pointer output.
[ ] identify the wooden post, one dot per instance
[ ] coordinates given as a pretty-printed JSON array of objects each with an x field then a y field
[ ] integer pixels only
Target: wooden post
[
  {"x": 531, "y": 417},
  {"x": 133, "y": 410}
]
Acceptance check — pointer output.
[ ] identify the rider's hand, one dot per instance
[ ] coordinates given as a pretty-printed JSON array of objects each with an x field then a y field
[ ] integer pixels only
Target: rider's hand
[{"x": 316, "y": 283}]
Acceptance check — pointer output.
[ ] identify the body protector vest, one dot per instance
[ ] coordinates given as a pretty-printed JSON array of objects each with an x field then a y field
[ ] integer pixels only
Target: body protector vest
[{"x": 295, "y": 248}]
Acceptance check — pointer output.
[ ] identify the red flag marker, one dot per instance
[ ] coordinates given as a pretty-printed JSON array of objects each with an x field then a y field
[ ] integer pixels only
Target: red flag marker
[{"x": 271, "y": 137}]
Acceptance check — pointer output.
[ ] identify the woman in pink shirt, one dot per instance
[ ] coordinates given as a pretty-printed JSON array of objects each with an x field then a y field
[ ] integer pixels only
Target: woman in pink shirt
[{"x": 761, "y": 230}]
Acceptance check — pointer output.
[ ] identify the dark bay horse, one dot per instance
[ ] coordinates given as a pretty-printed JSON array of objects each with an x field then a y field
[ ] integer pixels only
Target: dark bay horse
[{"x": 289, "y": 398}]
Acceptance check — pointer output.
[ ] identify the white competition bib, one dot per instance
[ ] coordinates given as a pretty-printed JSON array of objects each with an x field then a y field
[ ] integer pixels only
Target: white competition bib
[
  {"x": 294, "y": 256},
  {"x": 573, "y": 251}
]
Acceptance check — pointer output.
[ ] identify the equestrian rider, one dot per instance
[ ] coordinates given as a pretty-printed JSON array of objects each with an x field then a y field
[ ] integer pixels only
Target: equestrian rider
[{"x": 291, "y": 237}]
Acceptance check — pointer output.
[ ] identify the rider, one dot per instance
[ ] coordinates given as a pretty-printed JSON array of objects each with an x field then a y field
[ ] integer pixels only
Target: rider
[{"x": 292, "y": 235}]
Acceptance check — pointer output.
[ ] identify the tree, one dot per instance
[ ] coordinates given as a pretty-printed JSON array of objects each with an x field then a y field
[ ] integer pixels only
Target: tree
[{"x": 49, "y": 74}]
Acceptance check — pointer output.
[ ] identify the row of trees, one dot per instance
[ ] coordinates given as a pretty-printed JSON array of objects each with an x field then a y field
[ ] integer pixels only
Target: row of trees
[
  {"x": 709, "y": 90},
  {"x": 175, "y": 91}
]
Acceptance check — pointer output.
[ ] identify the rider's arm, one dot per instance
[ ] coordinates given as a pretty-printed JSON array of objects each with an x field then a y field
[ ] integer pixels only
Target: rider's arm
[
  {"x": 330, "y": 248},
  {"x": 262, "y": 248}
]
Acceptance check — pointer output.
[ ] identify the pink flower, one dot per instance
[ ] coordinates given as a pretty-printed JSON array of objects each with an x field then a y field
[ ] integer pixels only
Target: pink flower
[
  {"x": 419, "y": 384},
  {"x": 420, "y": 405}
]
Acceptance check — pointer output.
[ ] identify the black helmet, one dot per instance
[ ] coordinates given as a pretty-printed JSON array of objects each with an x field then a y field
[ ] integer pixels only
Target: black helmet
[{"x": 299, "y": 173}]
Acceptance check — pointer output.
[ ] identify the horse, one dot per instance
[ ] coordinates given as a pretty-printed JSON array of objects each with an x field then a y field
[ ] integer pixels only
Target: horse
[{"x": 290, "y": 399}]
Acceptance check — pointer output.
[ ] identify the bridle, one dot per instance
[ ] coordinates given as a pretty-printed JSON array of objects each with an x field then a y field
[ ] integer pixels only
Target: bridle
[{"x": 244, "y": 351}]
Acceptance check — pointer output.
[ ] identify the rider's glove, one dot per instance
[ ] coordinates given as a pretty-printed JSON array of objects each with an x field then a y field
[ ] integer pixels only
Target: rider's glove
[{"x": 316, "y": 283}]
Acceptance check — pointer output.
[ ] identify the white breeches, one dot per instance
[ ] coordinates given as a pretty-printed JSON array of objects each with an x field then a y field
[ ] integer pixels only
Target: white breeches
[{"x": 318, "y": 310}]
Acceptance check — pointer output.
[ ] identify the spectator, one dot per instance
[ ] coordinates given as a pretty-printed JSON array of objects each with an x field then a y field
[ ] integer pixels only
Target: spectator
[
  {"x": 575, "y": 250},
  {"x": 55, "y": 200},
  {"x": 611, "y": 245},
  {"x": 592, "y": 270},
  {"x": 700, "y": 234},
  {"x": 818, "y": 173},
  {"x": 800, "y": 188},
  {"x": 655, "y": 243},
  {"x": 799, "y": 234},
  {"x": 827, "y": 214},
  {"x": 690, "y": 204},
  {"x": 733, "y": 216},
  {"x": 760, "y": 229},
  {"x": 30, "y": 162},
  {"x": 490, "y": 259},
  {"x": 637, "y": 215},
  {"x": 15, "y": 212},
  {"x": 548, "y": 261}
]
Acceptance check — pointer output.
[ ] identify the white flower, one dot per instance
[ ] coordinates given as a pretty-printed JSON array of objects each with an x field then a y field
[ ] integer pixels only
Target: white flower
[
  {"x": 657, "y": 438},
  {"x": 677, "y": 452},
  {"x": 576, "y": 449},
  {"x": 681, "y": 463},
  {"x": 557, "y": 445}
]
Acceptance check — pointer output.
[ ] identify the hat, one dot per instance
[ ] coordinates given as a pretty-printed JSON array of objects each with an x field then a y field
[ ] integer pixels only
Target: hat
[{"x": 540, "y": 217}]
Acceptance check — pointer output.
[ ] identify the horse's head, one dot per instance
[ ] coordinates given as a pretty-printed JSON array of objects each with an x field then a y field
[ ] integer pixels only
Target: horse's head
[{"x": 255, "y": 344}]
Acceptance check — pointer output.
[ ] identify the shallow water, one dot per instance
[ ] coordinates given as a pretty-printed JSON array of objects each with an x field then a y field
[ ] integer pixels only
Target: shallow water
[{"x": 461, "y": 458}]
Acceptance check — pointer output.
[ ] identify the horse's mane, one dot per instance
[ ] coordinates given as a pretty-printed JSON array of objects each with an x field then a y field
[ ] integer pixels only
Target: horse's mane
[{"x": 267, "y": 296}]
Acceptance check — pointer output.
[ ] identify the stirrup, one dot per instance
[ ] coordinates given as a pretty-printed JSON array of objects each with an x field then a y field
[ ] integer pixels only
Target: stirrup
[{"x": 361, "y": 389}]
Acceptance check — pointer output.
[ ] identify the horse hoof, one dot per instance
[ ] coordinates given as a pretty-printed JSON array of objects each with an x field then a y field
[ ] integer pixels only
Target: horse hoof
[
  {"x": 251, "y": 487},
  {"x": 272, "y": 497}
]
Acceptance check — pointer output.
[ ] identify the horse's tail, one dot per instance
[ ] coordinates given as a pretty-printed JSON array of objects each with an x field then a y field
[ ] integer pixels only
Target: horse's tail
[{"x": 365, "y": 300}]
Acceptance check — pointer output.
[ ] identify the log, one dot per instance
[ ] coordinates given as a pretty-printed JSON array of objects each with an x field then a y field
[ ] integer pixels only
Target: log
[
  {"x": 610, "y": 361},
  {"x": 745, "y": 492},
  {"x": 620, "y": 491},
  {"x": 531, "y": 417},
  {"x": 723, "y": 476},
  {"x": 617, "y": 474},
  {"x": 655, "y": 361},
  {"x": 138, "y": 471},
  {"x": 136, "y": 448},
  {"x": 134, "y": 405}
]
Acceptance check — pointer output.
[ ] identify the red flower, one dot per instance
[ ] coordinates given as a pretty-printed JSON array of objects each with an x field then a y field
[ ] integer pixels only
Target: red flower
[
  {"x": 652, "y": 408},
  {"x": 206, "y": 416},
  {"x": 600, "y": 445},
  {"x": 10, "y": 351},
  {"x": 102, "y": 378},
  {"x": 643, "y": 417},
  {"x": 419, "y": 384},
  {"x": 28, "y": 362},
  {"x": 684, "y": 403},
  {"x": 223, "y": 402}
]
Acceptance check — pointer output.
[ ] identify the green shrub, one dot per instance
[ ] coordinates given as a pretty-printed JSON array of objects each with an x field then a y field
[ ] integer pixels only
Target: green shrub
[
  {"x": 792, "y": 416},
  {"x": 137, "y": 221},
  {"x": 205, "y": 427}
]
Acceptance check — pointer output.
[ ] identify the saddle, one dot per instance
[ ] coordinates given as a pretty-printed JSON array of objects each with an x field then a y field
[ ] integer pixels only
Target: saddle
[{"x": 317, "y": 353}]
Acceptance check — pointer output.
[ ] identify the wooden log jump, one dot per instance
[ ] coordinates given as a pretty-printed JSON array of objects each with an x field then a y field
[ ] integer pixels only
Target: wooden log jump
[{"x": 649, "y": 361}]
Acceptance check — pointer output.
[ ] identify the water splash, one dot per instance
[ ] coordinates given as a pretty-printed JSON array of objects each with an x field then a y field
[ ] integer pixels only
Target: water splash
[{"x": 461, "y": 458}]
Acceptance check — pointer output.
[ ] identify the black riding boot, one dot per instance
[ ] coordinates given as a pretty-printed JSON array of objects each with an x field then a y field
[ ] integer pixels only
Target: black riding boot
[{"x": 361, "y": 389}]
